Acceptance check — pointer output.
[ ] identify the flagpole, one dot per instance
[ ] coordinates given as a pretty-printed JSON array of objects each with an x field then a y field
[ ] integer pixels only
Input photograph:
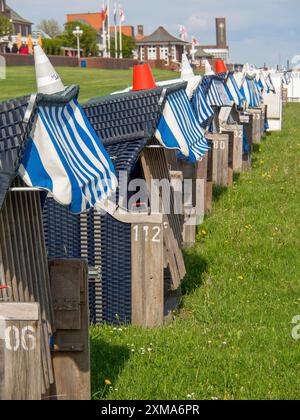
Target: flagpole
[
  {"x": 121, "y": 40},
  {"x": 104, "y": 39},
  {"x": 116, "y": 30},
  {"x": 193, "y": 49},
  {"x": 108, "y": 25},
  {"x": 103, "y": 31}
]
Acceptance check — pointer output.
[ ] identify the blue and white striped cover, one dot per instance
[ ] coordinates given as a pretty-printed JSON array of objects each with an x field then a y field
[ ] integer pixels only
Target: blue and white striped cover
[
  {"x": 179, "y": 128},
  {"x": 271, "y": 84},
  {"x": 249, "y": 90},
  {"x": 235, "y": 93},
  {"x": 216, "y": 93},
  {"x": 65, "y": 157},
  {"x": 287, "y": 78},
  {"x": 258, "y": 92},
  {"x": 202, "y": 109}
]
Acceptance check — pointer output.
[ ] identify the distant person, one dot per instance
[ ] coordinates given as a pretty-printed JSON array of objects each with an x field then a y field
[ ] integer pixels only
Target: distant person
[
  {"x": 24, "y": 50},
  {"x": 7, "y": 49},
  {"x": 15, "y": 49}
]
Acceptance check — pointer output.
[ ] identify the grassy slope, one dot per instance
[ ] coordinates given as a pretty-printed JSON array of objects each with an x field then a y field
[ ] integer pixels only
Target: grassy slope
[
  {"x": 232, "y": 338},
  {"x": 21, "y": 81}
]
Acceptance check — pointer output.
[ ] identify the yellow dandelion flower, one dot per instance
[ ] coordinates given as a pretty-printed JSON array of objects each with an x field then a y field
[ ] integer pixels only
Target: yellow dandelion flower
[{"x": 107, "y": 382}]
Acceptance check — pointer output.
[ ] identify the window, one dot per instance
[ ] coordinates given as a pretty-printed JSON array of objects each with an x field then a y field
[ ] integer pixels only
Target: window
[
  {"x": 152, "y": 53},
  {"x": 142, "y": 54},
  {"x": 164, "y": 53},
  {"x": 174, "y": 53}
]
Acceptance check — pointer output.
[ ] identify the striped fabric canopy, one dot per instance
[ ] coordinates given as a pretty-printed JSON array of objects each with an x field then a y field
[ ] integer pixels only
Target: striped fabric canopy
[
  {"x": 201, "y": 107},
  {"x": 179, "y": 128},
  {"x": 270, "y": 84},
  {"x": 287, "y": 78},
  {"x": 237, "y": 97},
  {"x": 215, "y": 91},
  {"x": 259, "y": 90},
  {"x": 65, "y": 157},
  {"x": 249, "y": 90}
]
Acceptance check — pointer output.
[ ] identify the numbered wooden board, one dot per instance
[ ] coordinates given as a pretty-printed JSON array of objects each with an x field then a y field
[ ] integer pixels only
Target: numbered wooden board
[
  {"x": 256, "y": 127},
  {"x": 235, "y": 133},
  {"x": 219, "y": 144},
  {"x": 20, "y": 352},
  {"x": 148, "y": 275}
]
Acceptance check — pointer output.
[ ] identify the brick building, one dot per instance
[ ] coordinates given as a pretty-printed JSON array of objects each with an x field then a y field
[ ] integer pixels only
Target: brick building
[
  {"x": 20, "y": 25},
  {"x": 160, "y": 45},
  {"x": 221, "y": 48}
]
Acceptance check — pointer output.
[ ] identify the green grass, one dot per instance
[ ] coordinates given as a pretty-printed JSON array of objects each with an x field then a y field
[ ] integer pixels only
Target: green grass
[
  {"x": 232, "y": 338},
  {"x": 21, "y": 81}
]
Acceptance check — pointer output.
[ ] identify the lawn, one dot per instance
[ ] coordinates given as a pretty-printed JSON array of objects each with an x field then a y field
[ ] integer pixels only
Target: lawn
[
  {"x": 232, "y": 338},
  {"x": 21, "y": 81}
]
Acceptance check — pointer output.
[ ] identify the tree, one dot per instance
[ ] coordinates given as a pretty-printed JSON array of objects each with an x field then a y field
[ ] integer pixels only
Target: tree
[
  {"x": 52, "y": 46},
  {"x": 6, "y": 27},
  {"x": 128, "y": 46},
  {"x": 51, "y": 27},
  {"x": 88, "y": 40}
]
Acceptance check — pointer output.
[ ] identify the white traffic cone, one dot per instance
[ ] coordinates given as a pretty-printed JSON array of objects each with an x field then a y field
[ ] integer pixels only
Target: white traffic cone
[
  {"x": 208, "y": 70},
  {"x": 187, "y": 72},
  {"x": 48, "y": 81}
]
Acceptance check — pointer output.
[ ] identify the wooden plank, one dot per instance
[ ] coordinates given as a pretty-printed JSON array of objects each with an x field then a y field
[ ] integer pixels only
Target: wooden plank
[
  {"x": 129, "y": 218},
  {"x": 65, "y": 297},
  {"x": 236, "y": 148},
  {"x": 20, "y": 353},
  {"x": 220, "y": 152},
  {"x": 154, "y": 166},
  {"x": 71, "y": 353},
  {"x": 147, "y": 275},
  {"x": 208, "y": 197},
  {"x": 24, "y": 262},
  {"x": 16, "y": 312},
  {"x": 257, "y": 116}
]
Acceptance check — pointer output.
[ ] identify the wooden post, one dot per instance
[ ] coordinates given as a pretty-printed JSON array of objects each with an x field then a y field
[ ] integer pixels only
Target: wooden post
[
  {"x": 71, "y": 348},
  {"x": 209, "y": 184},
  {"x": 284, "y": 96},
  {"x": 235, "y": 133},
  {"x": 257, "y": 116},
  {"x": 247, "y": 122},
  {"x": 148, "y": 275},
  {"x": 20, "y": 352},
  {"x": 263, "y": 119},
  {"x": 189, "y": 172},
  {"x": 219, "y": 144}
]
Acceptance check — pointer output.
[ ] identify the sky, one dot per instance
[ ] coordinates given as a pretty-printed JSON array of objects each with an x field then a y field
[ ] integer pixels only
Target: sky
[{"x": 259, "y": 31}]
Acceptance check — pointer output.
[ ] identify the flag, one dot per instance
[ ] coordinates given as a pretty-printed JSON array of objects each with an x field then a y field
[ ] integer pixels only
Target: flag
[
  {"x": 122, "y": 14},
  {"x": 115, "y": 14},
  {"x": 104, "y": 12},
  {"x": 194, "y": 41},
  {"x": 183, "y": 33}
]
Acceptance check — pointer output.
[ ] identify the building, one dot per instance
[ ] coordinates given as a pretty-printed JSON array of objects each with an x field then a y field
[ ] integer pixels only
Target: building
[
  {"x": 160, "y": 45},
  {"x": 95, "y": 20},
  {"x": 20, "y": 25},
  {"x": 201, "y": 56},
  {"x": 221, "y": 49}
]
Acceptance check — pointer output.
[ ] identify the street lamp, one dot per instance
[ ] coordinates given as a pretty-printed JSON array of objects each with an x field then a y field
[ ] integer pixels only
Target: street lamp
[{"x": 78, "y": 33}]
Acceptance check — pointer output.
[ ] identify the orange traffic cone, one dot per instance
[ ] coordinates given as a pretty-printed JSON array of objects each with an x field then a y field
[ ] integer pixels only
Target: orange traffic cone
[
  {"x": 143, "y": 78},
  {"x": 220, "y": 67}
]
